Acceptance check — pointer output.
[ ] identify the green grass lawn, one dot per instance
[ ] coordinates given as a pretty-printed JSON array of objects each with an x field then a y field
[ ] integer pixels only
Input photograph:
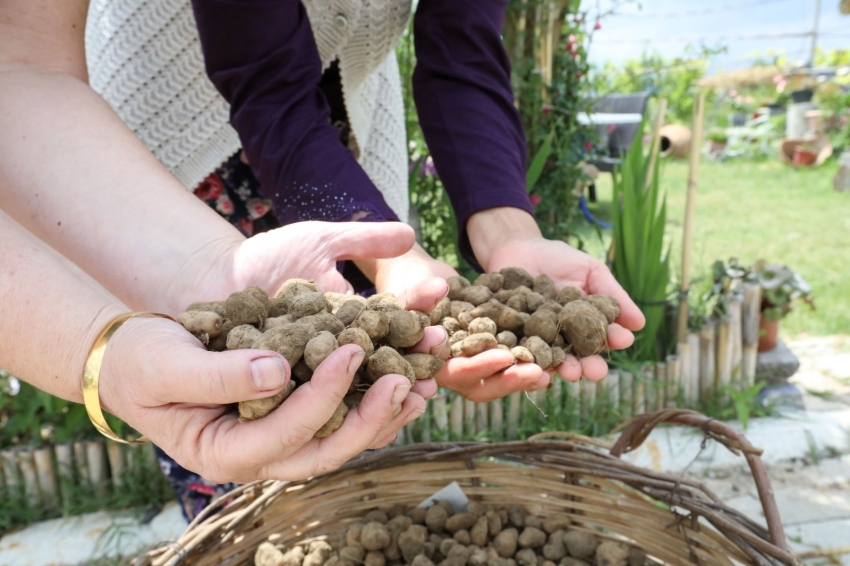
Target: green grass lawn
[{"x": 759, "y": 210}]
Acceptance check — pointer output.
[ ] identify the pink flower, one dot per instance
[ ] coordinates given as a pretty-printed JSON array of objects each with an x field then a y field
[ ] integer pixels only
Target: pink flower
[
  {"x": 780, "y": 86},
  {"x": 777, "y": 79},
  {"x": 588, "y": 145},
  {"x": 572, "y": 39},
  {"x": 733, "y": 93},
  {"x": 748, "y": 100},
  {"x": 612, "y": 127},
  {"x": 597, "y": 25},
  {"x": 546, "y": 109},
  {"x": 535, "y": 199}
]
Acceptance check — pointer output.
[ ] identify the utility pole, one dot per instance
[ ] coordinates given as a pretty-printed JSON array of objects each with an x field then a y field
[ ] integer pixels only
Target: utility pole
[{"x": 814, "y": 35}]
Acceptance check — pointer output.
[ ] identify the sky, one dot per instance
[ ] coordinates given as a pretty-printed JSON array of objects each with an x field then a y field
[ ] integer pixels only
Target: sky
[{"x": 669, "y": 26}]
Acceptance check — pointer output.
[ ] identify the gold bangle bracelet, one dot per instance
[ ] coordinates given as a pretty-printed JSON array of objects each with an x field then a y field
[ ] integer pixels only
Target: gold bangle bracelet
[{"x": 91, "y": 376}]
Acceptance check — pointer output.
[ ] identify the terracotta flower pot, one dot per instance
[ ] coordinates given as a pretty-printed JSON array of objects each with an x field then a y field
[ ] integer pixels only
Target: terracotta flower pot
[
  {"x": 768, "y": 334},
  {"x": 803, "y": 157},
  {"x": 716, "y": 147}
]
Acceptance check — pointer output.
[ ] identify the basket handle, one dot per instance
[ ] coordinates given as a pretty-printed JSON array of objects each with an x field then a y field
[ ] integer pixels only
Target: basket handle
[{"x": 635, "y": 432}]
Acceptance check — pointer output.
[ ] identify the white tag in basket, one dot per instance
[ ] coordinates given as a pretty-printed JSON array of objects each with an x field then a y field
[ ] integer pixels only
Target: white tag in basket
[{"x": 451, "y": 493}]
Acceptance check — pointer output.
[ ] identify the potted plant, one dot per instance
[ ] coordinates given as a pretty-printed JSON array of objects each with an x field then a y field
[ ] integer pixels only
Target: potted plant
[
  {"x": 717, "y": 140},
  {"x": 804, "y": 155},
  {"x": 781, "y": 288}
]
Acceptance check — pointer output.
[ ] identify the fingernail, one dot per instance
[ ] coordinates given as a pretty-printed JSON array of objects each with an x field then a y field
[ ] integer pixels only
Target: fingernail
[
  {"x": 356, "y": 361},
  {"x": 397, "y": 410},
  {"x": 445, "y": 294},
  {"x": 438, "y": 349},
  {"x": 400, "y": 393},
  {"x": 268, "y": 373}
]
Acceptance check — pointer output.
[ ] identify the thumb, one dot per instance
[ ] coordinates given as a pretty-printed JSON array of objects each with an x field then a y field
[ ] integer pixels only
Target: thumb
[{"x": 365, "y": 240}]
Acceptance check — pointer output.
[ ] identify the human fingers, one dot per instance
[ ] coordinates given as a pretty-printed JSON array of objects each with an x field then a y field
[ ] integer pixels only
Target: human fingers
[
  {"x": 281, "y": 445},
  {"x": 600, "y": 281},
  {"x": 388, "y": 400},
  {"x": 363, "y": 240},
  {"x": 425, "y": 295},
  {"x": 489, "y": 375},
  {"x": 425, "y": 388},
  {"x": 570, "y": 368},
  {"x": 172, "y": 366},
  {"x": 594, "y": 368},
  {"x": 435, "y": 341},
  {"x": 619, "y": 338}
]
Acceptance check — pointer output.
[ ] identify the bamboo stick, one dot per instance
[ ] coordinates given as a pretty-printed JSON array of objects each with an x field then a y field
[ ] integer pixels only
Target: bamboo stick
[
  {"x": 735, "y": 347},
  {"x": 43, "y": 458},
  {"x": 690, "y": 208},
  {"x": 707, "y": 359},
  {"x": 497, "y": 418},
  {"x": 425, "y": 426},
  {"x": 612, "y": 387},
  {"x": 482, "y": 421},
  {"x": 440, "y": 413},
  {"x": 693, "y": 341},
  {"x": 65, "y": 469},
  {"x": 468, "y": 418},
  {"x": 627, "y": 394},
  {"x": 723, "y": 368},
  {"x": 588, "y": 399},
  {"x": 115, "y": 455},
  {"x": 572, "y": 399},
  {"x": 82, "y": 463},
  {"x": 674, "y": 381},
  {"x": 660, "y": 385},
  {"x": 751, "y": 310},
  {"x": 514, "y": 410},
  {"x": 26, "y": 464},
  {"x": 10, "y": 470},
  {"x": 687, "y": 382},
  {"x": 97, "y": 465},
  {"x": 641, "y": 386},
  {"x": 456, "y": 417},
  {"x": 399, "y": 437}
]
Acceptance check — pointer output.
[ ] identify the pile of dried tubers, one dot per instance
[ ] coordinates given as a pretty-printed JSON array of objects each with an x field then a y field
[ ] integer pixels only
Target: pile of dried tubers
[
  {"x": 305, "y": 326},
  {"x": 510, "y": 310},
  {"x": 478, "y": 536},
  {"x": 528, "y": 316}
]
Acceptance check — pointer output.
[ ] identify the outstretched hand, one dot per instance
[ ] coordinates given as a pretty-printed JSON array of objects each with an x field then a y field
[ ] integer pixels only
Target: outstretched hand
[{"x": 161, "y": 380}]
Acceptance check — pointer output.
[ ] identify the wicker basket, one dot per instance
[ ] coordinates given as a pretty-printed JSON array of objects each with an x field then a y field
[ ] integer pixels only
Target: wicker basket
[{"x": 676, "y": 520}]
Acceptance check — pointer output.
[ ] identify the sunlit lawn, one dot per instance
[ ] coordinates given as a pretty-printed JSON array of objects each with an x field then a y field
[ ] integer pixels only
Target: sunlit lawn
[{"x": 757, "y": 210}]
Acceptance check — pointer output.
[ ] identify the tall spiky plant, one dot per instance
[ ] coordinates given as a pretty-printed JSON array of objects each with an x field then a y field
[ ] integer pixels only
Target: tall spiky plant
[{"x": 638, "y": 259}]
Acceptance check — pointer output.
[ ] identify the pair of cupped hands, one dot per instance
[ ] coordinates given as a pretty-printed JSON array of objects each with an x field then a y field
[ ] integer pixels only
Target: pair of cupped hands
[{"x": 163, "y": 382}]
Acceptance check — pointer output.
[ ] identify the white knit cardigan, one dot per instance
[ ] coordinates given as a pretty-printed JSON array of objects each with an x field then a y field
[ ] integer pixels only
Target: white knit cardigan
[{"x": 144, "y": 58}]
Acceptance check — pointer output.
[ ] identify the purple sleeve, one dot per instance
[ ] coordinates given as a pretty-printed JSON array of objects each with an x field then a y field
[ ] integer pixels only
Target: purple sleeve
[
  {"x": 262, "y": 57},
  {"x": 463, "y": 96}
]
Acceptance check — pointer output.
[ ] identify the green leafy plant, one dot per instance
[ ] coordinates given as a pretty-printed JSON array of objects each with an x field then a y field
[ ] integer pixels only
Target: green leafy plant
[
  {"x": 781, "y": 289},
  {"x": 638, "y": 259},
  {"x": 744, "y": 402},
  {"x": 718, "y": 136}
]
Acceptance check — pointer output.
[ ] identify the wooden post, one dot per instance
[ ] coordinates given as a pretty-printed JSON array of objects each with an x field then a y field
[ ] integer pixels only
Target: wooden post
[
  {"x": 10, "y": 470},
  {"x": 723, "y": 367},
  {"x": 751, "y": 311},
  {"x": 497, "y": 418},
  {"x": 400, "y": 440},
  {"x": 82, "y": 463},
  {"x": 661, "y": 384},
  {"x": 43, "y": 458},
  {"x": 425, "y": 426},
  {"x": 707, "y": 359},
  {"x": 456, "y": 417},
  {"x": 687, "y": 382},
  {"x": 115, "y": 455},
  {"x": 642, "y": 383},
  {"x": 97, "y": 465},
  {"x": 514, "y": 410},
  {"x": 65, "y": 468},
  {"x": 612, "y": 388},
  {"x": 481, "y": 418},
  {"x": 26, "y": 463},
  {"x": 468, "y": 418},
  {"x": 588, "y": 399},
  {"x": 693, "y": 341},
  {"x": 674, "y": 381},
  {"x": 572, "y": 399},
  {"x": 627, "y": 394},
  {"x": 440, "y": 413},
  {"x": 690, "y": 207},
  {"x": 735, "y": 347}
]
